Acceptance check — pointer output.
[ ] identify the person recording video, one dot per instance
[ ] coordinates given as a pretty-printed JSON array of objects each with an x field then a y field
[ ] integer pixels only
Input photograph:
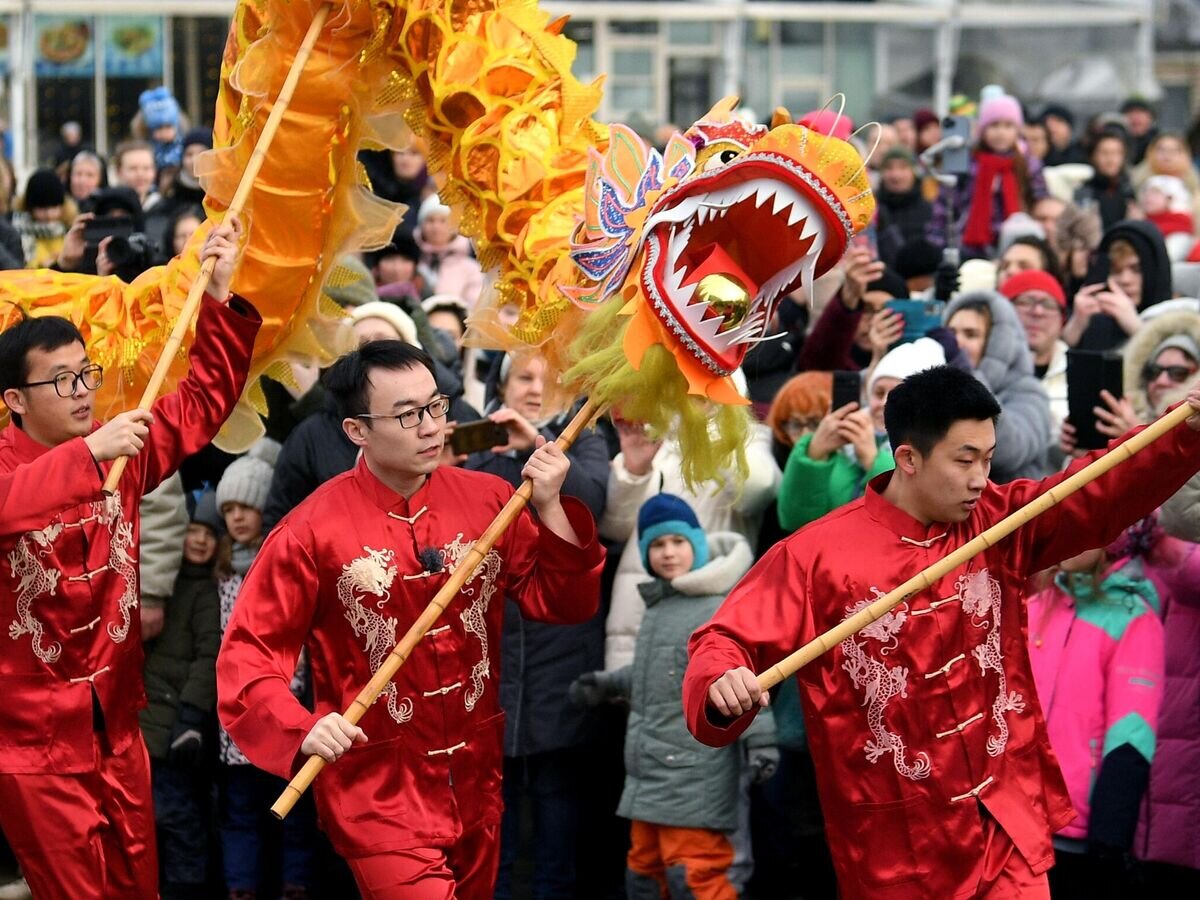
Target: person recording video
[{"x": 108, "y": 237}]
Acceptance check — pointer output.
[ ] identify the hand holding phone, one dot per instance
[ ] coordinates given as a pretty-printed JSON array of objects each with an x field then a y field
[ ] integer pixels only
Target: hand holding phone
[
  {"x": 474, "y": 437},
  {"x": 1091, "y": 374},
  {"x": 847, "y": 388}
]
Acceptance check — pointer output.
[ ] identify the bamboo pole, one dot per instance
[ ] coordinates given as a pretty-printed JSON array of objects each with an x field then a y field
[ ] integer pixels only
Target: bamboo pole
[
  {"x": 240, "y": 196},
  {"x": 404, "y": 647},
  {"x": 792, "y": 664}
]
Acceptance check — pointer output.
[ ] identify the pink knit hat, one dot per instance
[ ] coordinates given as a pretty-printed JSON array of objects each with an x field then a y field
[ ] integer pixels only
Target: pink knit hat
[{"x": 1001, "y": 108}]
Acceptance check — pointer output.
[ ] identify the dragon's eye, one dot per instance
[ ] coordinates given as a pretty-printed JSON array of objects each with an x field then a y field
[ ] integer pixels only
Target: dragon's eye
[{"x": 728, "y": 156}]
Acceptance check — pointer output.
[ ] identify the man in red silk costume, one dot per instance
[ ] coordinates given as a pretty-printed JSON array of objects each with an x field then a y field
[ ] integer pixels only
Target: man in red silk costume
[
  {"x": 414, "y": 809},
  {"x": 935, "y": 774},
  {"x": 75, "y": 798}
]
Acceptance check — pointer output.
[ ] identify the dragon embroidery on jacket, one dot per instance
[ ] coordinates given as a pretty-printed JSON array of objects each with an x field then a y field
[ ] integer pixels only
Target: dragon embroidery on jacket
[
  {"x": 980, "y": 595},
  {"x": 373, "y": 575},
  {"x": 34, "y": 579},
  {"x": 880, "y": 683},
  {"x": 121, "y": 562},
  {"x": 474, "y": 617}
]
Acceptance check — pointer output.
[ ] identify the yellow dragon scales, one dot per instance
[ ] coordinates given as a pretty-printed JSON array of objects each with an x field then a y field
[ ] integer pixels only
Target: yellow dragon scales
[{"x": 642, "y": 277}]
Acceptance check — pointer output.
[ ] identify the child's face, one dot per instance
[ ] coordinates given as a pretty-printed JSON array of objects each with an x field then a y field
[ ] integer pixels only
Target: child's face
[
  {"x": 1154, "y": 201},
  {"x": 671, "y": 555},
  {"x": 164, "y": 134},
  {"x": 1000, "y": 137},
  {"x": 199, "y": 544},
  {"x": 244, "y": 523}
]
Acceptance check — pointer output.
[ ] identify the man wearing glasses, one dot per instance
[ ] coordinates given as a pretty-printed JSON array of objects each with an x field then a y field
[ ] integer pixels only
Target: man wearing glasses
[
  {"x": 1041, "y": 306},
  {"x": 415, "y": 809},
  {"x": 75, "y": 799}
]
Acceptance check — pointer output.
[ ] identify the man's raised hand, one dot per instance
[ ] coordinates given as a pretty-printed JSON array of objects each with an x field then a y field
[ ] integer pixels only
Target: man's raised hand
[
  {"x": 122, "y": 435},
  {"x": 222, "y": 243}
]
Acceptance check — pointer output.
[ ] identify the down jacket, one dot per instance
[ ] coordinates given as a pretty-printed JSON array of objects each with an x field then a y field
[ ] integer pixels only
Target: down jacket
[
  {"x": 1024, "y": 431},
  {"x": 730, "y": 508},
  {"x": 670, "y": 777}
]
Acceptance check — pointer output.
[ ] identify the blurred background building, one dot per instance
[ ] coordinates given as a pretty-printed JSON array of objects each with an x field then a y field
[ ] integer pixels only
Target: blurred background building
[{"x": 666, "y": 60}]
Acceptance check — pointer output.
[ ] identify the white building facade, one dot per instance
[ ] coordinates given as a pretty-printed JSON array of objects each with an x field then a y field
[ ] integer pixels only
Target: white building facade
[{"x": 664, "y": 61}]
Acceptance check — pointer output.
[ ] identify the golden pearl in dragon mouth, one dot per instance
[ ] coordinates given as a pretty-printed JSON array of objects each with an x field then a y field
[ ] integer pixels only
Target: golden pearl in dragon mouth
[{"x": 727, "y": 297}]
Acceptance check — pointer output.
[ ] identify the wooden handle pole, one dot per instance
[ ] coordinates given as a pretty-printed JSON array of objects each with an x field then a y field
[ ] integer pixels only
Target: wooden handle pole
[
  {"x": 387, "y": 671},
  {"x": 241, "y": 194},
  {"x": 792, "y": 664}
]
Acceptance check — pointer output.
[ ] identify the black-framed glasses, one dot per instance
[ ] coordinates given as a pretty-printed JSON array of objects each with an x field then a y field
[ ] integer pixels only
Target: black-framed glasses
[
  {"x": 65, "y": 382},
  {"x": 411, "y": 418},
  {"x": 1178, "y": 374}
]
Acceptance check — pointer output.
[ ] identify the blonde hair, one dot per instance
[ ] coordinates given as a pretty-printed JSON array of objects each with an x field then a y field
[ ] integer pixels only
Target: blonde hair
[{"x": 1120, "y": 250}]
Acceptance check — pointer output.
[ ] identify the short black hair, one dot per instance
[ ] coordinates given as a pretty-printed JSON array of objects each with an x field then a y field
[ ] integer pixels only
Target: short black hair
[
  {"x": 921, "y": 409},
  {"x": 1042, "y": 246},
  {"x": 31, "y": 333},
  {"x": 349, "y": 379}
]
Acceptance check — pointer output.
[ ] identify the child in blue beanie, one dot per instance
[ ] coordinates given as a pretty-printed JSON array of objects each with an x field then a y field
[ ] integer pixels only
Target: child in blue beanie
[
  {"x": 681, "y": 796},
  {"x": 160, "y": 112}
]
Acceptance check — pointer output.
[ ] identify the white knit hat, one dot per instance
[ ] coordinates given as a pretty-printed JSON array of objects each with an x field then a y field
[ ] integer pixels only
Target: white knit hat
[
  {"x": 909, "y": 359},
  {"x": 431, "y": 205},
  {"x": 248, "y": 478},
  {"x": 393, "y": 315}
]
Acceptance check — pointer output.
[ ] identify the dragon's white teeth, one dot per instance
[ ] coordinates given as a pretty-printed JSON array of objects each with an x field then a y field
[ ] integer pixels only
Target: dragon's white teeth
[
  {"x": 764, "y": 193},
  {"x": 782, "y": 200},
  {"x": 797, "y": 214},
  {"x": 723, "y": 211}
]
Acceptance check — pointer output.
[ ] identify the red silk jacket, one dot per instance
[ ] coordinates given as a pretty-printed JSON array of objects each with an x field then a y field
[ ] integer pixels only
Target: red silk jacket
[
  {"x": 343, "y": 575},
  {"x": 69, "y": 556},
  {"x": 930, "y": 713}
]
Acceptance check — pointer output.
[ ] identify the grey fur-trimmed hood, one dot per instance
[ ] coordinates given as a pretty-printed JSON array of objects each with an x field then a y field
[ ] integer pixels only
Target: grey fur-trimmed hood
[{"x": 1141, "y": 346}]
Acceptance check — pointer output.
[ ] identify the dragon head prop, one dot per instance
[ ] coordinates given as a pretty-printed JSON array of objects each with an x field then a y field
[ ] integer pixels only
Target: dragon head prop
[{"x": 708, "y": 236}]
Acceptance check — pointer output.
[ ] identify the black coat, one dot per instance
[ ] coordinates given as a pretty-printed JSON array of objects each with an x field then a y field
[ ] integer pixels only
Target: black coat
[
  {"x": 539, "y": 660},
  {"x": 1111, "y": 196},
  {"x": 1103, "y": 332},
  {"x": 902, "y": 219},
  {"x": 181, "y": 663}
]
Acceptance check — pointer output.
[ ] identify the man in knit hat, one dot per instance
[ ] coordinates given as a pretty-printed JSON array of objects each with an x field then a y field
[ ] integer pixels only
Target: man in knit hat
[
  {"x": 935, "y": 772},
  {"x": 1041, "y": 306},
  {"x": 75, "y": 798},
  {"x": 412, "y": 800}
]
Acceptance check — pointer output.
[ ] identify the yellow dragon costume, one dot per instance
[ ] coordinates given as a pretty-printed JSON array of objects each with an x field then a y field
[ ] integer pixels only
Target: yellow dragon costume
[{"x": 642, "y": 277}]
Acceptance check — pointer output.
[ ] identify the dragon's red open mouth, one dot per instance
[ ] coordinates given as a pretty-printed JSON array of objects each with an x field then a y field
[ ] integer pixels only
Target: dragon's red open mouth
[{"x": 753, "y": 222}]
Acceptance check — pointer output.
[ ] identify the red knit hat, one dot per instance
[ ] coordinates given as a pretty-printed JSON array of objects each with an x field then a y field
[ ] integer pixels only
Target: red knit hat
[{"x": 1034, "y": 280}]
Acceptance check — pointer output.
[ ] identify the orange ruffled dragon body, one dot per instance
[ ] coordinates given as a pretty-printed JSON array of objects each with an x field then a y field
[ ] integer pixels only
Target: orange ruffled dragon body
[{"x": 642, "y": 277}]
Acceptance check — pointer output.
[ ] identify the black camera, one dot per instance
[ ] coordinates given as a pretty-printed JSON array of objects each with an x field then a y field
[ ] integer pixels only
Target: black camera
[{"x": 131, "y": 256}]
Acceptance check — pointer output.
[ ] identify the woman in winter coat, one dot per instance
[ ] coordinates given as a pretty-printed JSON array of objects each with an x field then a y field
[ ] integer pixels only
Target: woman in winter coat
[
  {"x": 1001, "y": 182},
  {"x": 543, "y": 730},
  {"x": 447, "y": 265},
  {"x": 993, "y": 340},
  {"x": 1096, "y": 646},
  {"x": 681, "y": 797},
  {"x": 1161, "y": 362},
  {"x": 644, "y": 468}
]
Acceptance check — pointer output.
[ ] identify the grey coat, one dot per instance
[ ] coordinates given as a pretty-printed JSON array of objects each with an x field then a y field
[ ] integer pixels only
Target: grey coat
[
  {"x": 1025, "y": 430},
  {"x": 671, "y": 778}
]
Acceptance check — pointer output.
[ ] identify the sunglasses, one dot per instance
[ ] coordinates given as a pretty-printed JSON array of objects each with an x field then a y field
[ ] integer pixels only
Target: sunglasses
[{"x": 1178, "y": 374}]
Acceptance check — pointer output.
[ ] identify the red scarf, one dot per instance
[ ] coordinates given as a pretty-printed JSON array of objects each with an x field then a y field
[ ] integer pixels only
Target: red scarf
[{"x": 989, "y": 167}]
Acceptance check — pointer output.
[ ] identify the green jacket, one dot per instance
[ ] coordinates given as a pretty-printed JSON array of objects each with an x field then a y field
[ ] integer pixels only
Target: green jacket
[
  {"x": 670, "y": 777},
  {"x": 813, "y": 487},
  {"x": 181, "y": 663}
]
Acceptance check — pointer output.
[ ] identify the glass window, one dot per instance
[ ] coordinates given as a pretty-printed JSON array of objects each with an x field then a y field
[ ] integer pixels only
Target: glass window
[
  {"x": 633, "y": 62},
  {"x": 583, "y": 34},
  {"x": 691, "y": 33},
  {"x": 624, "y": 27}
]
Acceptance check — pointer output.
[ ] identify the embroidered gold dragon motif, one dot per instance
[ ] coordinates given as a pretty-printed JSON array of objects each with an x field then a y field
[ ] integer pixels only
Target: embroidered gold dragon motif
[
  {"x": 372, "y": 576},
  {"x": 481, "y": 587}
]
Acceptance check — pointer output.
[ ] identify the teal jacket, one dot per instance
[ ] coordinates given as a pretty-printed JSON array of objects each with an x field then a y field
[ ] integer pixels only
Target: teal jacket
[{"x": 813, "y": 487}]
